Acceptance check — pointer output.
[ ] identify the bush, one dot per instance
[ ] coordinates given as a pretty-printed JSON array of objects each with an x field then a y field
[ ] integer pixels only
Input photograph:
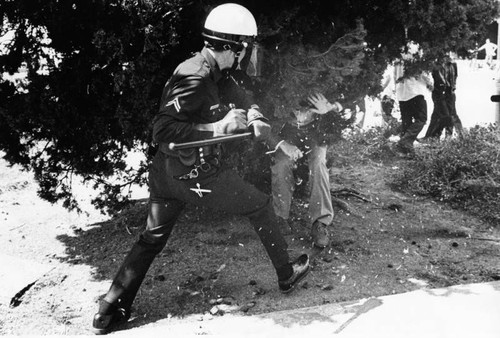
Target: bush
[
  {"x": 464, "y": 172},
  {"x": 361, "y": 146}
]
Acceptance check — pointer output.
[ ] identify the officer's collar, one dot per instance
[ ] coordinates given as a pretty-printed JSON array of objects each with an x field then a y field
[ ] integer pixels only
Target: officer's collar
[{"x": 216, "y": 72}]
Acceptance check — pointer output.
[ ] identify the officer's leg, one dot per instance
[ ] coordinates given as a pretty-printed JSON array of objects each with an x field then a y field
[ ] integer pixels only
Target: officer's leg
[
  {"x": 115, "y": 307},
  {"x": 228, "y": 192},
  {"x": 160, "y": 222},
  {"x": 282, "y": 184},
  {"x": 162, "y": 215}
]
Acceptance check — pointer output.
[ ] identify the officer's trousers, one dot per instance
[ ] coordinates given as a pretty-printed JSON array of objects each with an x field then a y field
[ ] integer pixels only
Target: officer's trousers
[
  {"x": 220, "y": 189},
  {"x": 283, "y": 185}
]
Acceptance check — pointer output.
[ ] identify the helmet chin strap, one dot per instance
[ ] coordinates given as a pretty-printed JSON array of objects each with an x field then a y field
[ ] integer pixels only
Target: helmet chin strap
[{"x": 236, "y": 64}]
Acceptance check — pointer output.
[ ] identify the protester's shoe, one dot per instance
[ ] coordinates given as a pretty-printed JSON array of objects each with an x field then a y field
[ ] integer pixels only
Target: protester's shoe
[
  {"x": 320, "y": 235},
  {"x": 300, "y": 269},
  {"x": 105, "y": 323}
]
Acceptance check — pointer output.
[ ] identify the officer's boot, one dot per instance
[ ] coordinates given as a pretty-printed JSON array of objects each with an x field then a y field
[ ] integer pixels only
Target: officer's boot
[{"x": 115, "y": 307}]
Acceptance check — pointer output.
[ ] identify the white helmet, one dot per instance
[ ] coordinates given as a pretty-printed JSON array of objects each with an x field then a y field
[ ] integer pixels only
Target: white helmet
[{"x": 230, "y": 24}]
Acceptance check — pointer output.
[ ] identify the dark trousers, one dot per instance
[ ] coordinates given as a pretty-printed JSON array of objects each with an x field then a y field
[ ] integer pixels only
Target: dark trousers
[
  {"x": 413, "y": 118},
  {"x": 168, "y": 197},
  {"x": 444, "y": 116},
  {"x": 456, "y": 122},
  {"x": 441, "y": 116}
]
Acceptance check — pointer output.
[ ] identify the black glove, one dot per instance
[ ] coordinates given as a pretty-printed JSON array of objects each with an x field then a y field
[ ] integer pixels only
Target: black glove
[{"x": 234, "y": 122}]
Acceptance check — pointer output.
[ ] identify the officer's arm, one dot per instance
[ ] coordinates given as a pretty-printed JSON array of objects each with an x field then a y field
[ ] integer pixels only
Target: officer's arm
[{"x": 177, "y": 106}]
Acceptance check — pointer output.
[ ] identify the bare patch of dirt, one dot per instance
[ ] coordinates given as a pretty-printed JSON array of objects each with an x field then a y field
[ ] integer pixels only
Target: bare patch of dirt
[{"x": 214, "y": 262}]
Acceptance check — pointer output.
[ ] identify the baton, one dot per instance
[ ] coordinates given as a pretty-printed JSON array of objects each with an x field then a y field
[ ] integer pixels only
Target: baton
[{"x": 209, "y": 141}]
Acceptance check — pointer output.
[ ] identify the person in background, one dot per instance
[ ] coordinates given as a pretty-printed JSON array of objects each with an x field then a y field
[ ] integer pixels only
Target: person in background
[
  {"x": 300, "y": 137},
  {"x": 456, "y": 122},
  {"x": 490, "y": 51},
  {"x": 410, "y": 92},
  {"x": 388, "y": 103},
  {"x": 444, "y": 116}
]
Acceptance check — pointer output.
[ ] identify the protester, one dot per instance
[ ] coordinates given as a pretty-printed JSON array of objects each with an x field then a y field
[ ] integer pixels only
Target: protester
[
  {"x": 300, "y": 137},
  {"x": 444, "y": 116},
  {"x": 410, "y": 92}
]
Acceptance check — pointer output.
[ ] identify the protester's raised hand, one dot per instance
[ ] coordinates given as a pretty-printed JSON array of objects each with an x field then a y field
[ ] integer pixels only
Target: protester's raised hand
[{"x": 322, "y": 105}]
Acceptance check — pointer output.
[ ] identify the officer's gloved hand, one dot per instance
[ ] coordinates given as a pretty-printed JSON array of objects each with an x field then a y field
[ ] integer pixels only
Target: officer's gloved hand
[
  {"x": 234, "y": 122},
  {"x": 261, "y": 130},
  {"x": 257, "y": 123}
]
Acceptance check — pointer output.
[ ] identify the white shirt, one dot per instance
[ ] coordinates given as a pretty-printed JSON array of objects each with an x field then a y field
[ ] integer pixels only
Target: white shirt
[{"x": 413, "y": 86}]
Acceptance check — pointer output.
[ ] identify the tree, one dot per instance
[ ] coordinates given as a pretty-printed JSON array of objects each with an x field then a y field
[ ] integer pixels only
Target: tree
[{"x": 95, "y": 70}]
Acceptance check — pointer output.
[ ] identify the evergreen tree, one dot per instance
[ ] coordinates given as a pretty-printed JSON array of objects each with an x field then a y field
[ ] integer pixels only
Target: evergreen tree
[{"x": 95, "y": 70}]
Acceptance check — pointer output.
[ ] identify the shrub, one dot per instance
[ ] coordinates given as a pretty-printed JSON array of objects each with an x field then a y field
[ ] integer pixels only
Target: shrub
[{"x": 464, "y": 172}]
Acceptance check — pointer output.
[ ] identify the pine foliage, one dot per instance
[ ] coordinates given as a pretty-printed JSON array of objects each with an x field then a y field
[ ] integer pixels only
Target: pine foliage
[{"x": 95, "y": 71}]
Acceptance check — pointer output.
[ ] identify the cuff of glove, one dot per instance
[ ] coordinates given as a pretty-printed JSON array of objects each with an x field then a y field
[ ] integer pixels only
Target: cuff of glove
[
  {"x": 254, "y": 115},
  {"x": 275, "y": 148}
]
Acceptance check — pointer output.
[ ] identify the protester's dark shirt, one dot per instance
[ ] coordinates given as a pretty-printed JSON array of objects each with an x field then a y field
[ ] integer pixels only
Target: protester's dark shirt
[{"x": 445, "y": 77}]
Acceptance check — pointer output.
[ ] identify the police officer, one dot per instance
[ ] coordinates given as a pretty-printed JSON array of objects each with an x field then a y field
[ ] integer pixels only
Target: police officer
[{"x": 190, "y": 110}]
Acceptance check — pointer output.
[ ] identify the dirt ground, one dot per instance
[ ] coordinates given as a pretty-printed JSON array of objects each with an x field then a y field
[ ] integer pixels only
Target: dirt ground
[{"x": 215, "y": 263}]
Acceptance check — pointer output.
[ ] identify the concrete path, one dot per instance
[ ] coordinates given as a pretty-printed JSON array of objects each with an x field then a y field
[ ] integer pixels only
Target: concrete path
[{"x": 459, "y": 311}]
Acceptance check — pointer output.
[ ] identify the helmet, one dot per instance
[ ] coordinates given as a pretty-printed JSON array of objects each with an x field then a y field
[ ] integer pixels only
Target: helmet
[{"x": 230, "y": 24}]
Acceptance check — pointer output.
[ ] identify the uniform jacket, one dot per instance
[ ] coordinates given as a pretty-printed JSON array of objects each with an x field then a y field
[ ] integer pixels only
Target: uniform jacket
[{"x": 194, "y": 94}]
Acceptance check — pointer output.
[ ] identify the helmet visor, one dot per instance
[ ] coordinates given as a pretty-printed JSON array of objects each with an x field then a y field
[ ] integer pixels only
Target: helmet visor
[{"x": 250, "y": 60}]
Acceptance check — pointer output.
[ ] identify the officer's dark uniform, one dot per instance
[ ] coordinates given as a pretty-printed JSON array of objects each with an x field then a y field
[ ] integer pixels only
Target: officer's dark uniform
[{"x": 196, "y": 176}]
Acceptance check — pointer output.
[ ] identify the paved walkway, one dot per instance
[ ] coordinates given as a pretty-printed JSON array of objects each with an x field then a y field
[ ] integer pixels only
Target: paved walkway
[{"x": 459, "y": 311}]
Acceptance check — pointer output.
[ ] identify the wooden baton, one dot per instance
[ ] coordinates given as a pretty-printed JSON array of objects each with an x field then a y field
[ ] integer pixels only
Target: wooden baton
[{"x": 209, "y": 141}]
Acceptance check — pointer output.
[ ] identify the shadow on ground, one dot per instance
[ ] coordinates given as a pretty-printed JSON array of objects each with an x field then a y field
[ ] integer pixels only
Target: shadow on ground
[
  {"x": 211, "y": 262},
  {"x": 216, "y": 263}
]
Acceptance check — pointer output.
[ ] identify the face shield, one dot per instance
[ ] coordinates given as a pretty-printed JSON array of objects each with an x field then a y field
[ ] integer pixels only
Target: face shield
[{"x": 248, "y": 60}]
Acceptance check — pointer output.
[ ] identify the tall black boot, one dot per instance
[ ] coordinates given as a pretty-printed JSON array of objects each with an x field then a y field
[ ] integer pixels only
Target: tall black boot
[{"x": 115, "y": 307}]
